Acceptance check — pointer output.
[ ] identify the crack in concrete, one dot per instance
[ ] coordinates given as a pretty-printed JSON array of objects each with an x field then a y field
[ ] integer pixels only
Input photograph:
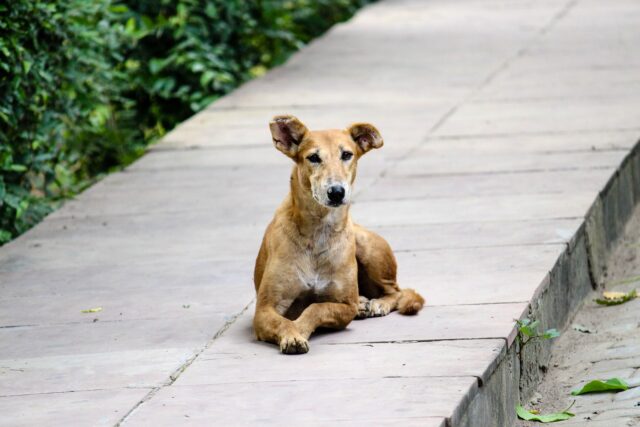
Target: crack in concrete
[
  {"x": 505, "y": 245},
  {"x": 176, "y": 374}
]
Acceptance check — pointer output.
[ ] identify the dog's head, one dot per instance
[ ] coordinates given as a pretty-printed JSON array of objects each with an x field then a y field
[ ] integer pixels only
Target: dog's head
[{"x": 326, "y": 159}]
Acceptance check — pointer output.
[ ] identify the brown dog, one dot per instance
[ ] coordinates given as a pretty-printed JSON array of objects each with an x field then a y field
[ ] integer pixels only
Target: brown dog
[{"x": 316, "y": 268}]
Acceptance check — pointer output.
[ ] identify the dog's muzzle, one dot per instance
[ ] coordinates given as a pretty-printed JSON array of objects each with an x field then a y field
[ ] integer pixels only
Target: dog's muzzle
[{"x": 335, "y": 194}]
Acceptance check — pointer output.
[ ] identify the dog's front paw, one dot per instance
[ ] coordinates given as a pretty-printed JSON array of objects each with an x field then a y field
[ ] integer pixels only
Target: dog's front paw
[
  {"x": 294, "y": 344},
  {"x": 364, "y": 305},
  {"x": 372, "y": 308}
]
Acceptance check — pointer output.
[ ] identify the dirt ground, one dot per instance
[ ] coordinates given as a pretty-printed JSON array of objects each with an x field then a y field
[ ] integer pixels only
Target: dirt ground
[{"x": 610, "y": 348}]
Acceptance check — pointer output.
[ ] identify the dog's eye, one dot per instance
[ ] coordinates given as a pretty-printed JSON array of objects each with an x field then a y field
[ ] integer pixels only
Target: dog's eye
[
  {"x": 314, "y": 158},
  {"x": 346, "y": 155}
]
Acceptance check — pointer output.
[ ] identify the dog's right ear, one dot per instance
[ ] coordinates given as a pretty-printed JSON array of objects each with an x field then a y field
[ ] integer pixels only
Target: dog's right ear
[{"x": 287, "y": 133}]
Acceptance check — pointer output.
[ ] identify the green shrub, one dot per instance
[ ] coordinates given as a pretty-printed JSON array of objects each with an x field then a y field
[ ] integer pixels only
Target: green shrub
[
  {"x": 56, "y": 65},
  {"x": 86, "y": 85}
]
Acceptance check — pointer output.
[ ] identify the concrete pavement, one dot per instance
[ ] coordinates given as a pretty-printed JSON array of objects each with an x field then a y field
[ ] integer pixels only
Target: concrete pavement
[{"x": 503, "y": 121}]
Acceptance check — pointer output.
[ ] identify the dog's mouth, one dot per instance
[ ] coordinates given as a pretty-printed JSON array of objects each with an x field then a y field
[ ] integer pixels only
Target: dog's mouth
[{"x": 329, "y": 203}]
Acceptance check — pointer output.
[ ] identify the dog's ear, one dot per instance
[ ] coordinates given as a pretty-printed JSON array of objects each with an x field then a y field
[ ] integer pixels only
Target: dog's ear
[
  {"x": 287, "y": 133},
  {"x": 366, "y": 136}
]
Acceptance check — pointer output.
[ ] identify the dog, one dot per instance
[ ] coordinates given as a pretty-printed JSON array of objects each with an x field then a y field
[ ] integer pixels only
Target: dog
[{"x": 316, "y": 268}]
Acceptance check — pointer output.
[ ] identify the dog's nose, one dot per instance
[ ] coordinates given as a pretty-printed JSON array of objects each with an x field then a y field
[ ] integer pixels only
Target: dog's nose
[{"x": 336, "y": 193}]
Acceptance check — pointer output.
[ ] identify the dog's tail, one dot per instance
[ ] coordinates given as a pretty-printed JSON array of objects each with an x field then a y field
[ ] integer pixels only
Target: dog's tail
[{"x": 410, "y": 302}]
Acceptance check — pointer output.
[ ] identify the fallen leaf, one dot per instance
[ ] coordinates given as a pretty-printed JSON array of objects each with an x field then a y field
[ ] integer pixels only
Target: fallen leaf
[
  {"x": 613, "y": 295},
  {"x": 92, "y": 310},
  {"x": 581, "y": 328},
  {"x": 596, "y": 386},
  {"x": 615, "y": 298},
  {"x": 544, "y": 418}
]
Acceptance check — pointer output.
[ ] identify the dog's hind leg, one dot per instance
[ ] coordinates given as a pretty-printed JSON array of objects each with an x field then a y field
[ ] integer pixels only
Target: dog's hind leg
[{"x": 377, "y": 284}]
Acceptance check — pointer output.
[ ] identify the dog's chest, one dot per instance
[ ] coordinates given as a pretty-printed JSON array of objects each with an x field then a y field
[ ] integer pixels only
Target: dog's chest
[{"x": 317, "y": 264}]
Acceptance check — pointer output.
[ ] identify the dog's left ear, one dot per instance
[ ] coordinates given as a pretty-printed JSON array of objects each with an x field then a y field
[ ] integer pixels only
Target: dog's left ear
[
  {"x": 287, "y": 133},
  {"x": 366, "y": 136}
]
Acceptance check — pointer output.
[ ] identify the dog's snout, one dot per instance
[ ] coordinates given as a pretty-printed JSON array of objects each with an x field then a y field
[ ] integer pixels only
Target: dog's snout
[{"x": 336, "y": 194}]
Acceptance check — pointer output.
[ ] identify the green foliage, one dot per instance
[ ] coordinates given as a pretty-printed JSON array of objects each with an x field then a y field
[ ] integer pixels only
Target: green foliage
[
  {"x": 528, "y": 331},
  {"x": 86, "y": 85},
  {"x": 60, "y": 117}
]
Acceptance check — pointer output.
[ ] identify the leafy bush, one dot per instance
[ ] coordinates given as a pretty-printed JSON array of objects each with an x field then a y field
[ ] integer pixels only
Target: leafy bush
[
  {"x": 57, "y": 79},
  {"x": 86, "y": 85}
]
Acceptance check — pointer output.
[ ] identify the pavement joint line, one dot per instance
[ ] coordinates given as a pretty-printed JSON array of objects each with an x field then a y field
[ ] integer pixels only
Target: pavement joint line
[
  {"x": 504, "y": 172},
  {"x": 176, "y": 373},
  {"x": 183, "y": 211},
  {"x": 76, "y": 391},
  {"x": 534, "y": 133},
  {"x": 506, "y": 245},
  {"x": 89, "y": 320},
  {"x": 542, "y": 99},
  {"x": 587, "y": 150},
  {"x": 488, "y": 221},
  {"x": 417, "y": 341},
  {"x": 240, "y": 107},
  {"x": 403, "y": 225},
  {"x": 161, "y": 148},
  {"x": 323, "y": 380},
  {"x": 143, "y": 170},
  {"x": 496, "y": 194},
  {"x": 470, "y": 304}
]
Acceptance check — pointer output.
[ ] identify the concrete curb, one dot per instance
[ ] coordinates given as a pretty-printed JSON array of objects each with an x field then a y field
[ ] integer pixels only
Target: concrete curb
[{"x": 578, "y": 271}]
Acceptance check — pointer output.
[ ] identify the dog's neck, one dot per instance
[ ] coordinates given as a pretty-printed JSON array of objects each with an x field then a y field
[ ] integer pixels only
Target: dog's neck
[{"x": 311, "y": 217}]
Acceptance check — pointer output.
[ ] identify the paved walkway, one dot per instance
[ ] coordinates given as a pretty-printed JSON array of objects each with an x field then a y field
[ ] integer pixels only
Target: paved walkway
[{"x": 503, "y": 119}]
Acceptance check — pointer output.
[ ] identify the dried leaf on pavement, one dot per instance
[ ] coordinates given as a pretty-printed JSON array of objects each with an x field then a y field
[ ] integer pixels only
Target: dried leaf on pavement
[{"x": 615, "y": 298}]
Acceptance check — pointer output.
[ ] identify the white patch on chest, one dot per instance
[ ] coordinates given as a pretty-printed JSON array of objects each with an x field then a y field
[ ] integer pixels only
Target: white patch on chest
[
  {"x": 315, "y": 267},
  {"x": 313, "y": 280}
]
